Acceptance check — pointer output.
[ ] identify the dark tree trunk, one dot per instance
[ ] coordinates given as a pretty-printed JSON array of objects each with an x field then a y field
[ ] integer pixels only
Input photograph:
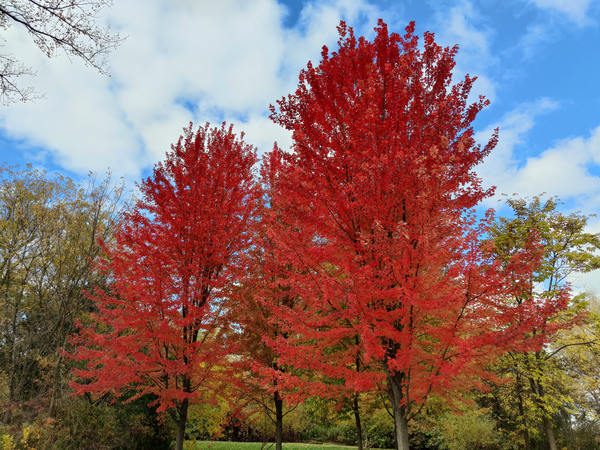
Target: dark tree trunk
[
  {"x": 278, "y": 422},
  {"x": 525, "y": 430},
  {"x": 401, "y": 428},
  {"x": 183, "y": 411},
  {"x": 55, "y": 389},
  {"x": 522, "y": 413},
  {"x": 355, "y": 405},
  {"x": 400, "y": 411},
  {"x": 7, "y": 416},
  {"x": 358, "y": 424}
]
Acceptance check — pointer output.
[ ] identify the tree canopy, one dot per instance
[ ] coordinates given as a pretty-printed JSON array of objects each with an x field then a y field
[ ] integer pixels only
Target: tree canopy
[{"x": 160, "y": 328}]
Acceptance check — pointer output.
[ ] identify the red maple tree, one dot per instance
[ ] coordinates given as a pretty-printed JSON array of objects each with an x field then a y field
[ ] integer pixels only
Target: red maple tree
[
  {"x": 377, "y": 199},
  {"x": 161, "y": 326},
  {"x": 262, "y": 382}
]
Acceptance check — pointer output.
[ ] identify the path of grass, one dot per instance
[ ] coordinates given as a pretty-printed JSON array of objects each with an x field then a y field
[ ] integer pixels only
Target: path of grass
[{"x": 203, "y": 445}]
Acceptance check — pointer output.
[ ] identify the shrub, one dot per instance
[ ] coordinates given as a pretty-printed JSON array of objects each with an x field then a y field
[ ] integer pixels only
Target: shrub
[
  {"x": 471, "y": 430},
  {"x": 378, "y": 430},
  {"x": 81, "y": 425},
  {"x": 206, "y": 422}
]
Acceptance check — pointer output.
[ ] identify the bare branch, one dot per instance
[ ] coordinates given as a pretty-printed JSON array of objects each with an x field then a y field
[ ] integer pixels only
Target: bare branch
[{"x": 55, "y": 25}]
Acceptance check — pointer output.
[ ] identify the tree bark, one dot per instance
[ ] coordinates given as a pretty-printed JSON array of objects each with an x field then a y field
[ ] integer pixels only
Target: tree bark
[
  {"x": 546, "y": 420},
  {"x": 525, "y": 430},
  {"x": 401, "y": 428},
  {"x": 396, "y": 393},
  {"x": 183, "y": 411},
  {"x": 355, "y": 405},
  {"x": 522, "y": 413},
  {"x": 278, "y": 422},
  {"x": 549, "y": 433},
  {"x": 7, "y": 416},
  {"x": 55, "y": 388},
  {"x": 359, "y": 438}
]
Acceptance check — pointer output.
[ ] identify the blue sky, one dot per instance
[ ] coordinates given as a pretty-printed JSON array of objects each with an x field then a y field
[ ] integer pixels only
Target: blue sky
[{"x": 537, "y": 61}]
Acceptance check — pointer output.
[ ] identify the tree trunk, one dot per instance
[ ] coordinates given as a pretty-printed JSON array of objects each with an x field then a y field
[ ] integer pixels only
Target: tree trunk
[
  {"x": 278, "y": 422},
  {"x": 183, "y": 411},
  {"x": 546, "y": 420},
  {"x": 16, "y": 389},
  {"x": 549, "y": 433},
  {"x": 53, "y": 402},
  {"x": 359, "y": 438},
  {"x": 522, "y": 413},
  {"x": 64, "y": 330},
  {"x": 401, "y": 428},
  {"x": 355, "y": 405},
  {"x": 7, "y": 416},
  {"x": 12, "y": 377},
  {"x": 525, "y": 430},
  {"x": 400, "y": 411},
  {"x": 55, "y": 384}
]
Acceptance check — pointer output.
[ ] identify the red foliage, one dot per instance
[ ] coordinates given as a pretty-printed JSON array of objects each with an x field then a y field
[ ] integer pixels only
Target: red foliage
[
  {"x": 375, "y": 219},
  {"x": 369, "y": 266},
  {"x": 160, "y": 327}
]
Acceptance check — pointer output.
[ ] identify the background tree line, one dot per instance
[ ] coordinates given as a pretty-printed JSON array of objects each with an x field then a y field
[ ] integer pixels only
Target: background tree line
[
  {"x": 50, "y": 229},
  {"x": 49, "y": 232}
]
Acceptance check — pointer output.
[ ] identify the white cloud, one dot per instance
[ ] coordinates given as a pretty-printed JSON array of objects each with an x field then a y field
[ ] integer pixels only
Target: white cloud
[
  {"x": 586, "y": 282},
  {"x": 575, "y": 10},
  {"x": 562, "y": 170},
  {"x": 458, "y": 25},
  {"x": 501, "y": 167},
  {"x": 263, "y": 133},
  {"x": 534, "y": 37},
  {"x": 77, "y": 114},
  {"x": 183, "y": 60}
]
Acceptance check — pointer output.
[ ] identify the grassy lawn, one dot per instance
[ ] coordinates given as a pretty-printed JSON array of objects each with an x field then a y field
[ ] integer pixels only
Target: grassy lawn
[{"x": 203, "y": 445}]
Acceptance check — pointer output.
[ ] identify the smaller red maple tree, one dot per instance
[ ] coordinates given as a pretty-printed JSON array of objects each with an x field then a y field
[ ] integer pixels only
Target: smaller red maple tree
[
  {"x": 160, "y": 327},
  {"x": 262, "y": 382}
]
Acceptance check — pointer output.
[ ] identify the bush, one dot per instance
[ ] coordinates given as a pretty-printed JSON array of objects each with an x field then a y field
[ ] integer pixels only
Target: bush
[
  {"x": 81, "y": 425},
  {"x": 205, "y": 421},
  {"x": 472, "y": 430},
  {"x": 343, "y": 432},
  {"x": 378, "y": 430}
]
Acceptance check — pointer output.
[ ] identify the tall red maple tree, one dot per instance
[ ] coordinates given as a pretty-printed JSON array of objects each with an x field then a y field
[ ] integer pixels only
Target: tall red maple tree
[
  {"x": 160, "y": 327},
  {"x": 377, "y": 195}
]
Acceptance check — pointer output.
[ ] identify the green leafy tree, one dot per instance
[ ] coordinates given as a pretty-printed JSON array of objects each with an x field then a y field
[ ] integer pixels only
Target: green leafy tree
[
  {"x": 538, "y": 387},
  {"x": 580, "y": 366},
  {"x": 49, "y": 231}
]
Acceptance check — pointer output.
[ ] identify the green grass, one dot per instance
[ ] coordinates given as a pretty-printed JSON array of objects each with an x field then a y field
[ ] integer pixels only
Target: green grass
[{"x": 203, "y": 445}]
